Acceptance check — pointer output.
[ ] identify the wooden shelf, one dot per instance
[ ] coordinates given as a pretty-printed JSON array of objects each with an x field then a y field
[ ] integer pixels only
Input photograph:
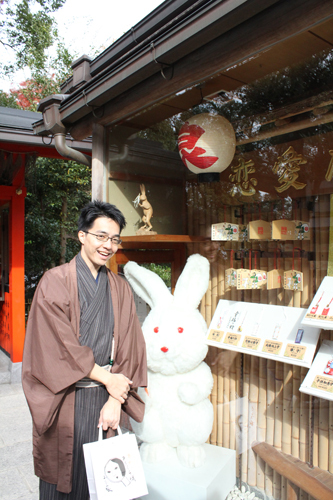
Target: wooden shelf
[{"x": 162, "y": 238}]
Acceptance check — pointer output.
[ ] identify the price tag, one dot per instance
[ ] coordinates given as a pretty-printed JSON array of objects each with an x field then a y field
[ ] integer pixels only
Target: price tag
[
  {"x": 323, "y": 383},
  {"x": 295, "y": 351},
  {"x": 272, "y": 347},
  {"x": 215, "y": 335},
  {"x": 232, "y": 338},
  {"x": 251, "y": 343}
]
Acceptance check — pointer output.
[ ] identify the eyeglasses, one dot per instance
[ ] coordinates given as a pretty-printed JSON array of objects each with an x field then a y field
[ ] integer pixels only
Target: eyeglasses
[{"x": 104, "y": 238}]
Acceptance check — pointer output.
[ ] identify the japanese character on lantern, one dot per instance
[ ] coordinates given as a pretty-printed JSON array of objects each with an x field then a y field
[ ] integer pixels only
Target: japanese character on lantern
[
  {"x": 240, "y": 177},
  {"x": 329, "y": 173},
  {"x": 287, "y": 167},
  {"x": 207, "y": 144}
]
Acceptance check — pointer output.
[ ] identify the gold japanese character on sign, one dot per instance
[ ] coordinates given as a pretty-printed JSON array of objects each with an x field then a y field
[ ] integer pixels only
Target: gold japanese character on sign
[
  {"x": 329, "y": 173},
  {"x": 240, "y": 177},
  {"x": 287, "y": 167}
]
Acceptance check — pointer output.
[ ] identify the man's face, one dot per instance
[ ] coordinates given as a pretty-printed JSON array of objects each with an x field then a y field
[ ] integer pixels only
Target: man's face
[{"x": 96, "y": 253}]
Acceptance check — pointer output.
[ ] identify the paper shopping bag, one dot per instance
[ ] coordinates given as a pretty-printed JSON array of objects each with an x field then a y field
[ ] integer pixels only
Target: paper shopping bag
[{"x": 114, "y": 468}]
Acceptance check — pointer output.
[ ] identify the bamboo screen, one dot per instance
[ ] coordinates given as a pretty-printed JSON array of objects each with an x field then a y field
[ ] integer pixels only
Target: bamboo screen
[{"x": 256, "y": 399}]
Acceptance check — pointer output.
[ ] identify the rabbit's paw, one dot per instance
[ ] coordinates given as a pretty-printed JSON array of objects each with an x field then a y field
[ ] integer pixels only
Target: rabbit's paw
[
  {"x": 191, "y": 456},
  {"x": 155, "y": 452},
  {"x": 189, "y": 393}
]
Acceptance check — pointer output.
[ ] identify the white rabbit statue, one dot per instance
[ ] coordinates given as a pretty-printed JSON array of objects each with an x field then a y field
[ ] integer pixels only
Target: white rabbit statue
[{"x": 178, "y": 415}]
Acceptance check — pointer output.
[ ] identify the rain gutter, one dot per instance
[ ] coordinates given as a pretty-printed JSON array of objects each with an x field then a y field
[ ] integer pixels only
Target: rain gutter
[{"x": 158, "y": 52}]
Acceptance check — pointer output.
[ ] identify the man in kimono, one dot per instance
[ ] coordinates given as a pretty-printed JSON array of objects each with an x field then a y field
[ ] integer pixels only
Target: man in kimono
[{"x": 84, "y": 355}]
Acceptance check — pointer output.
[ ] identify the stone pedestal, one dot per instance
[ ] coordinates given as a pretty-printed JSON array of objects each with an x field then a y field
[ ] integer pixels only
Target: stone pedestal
[{"x": 168, "y": 480}]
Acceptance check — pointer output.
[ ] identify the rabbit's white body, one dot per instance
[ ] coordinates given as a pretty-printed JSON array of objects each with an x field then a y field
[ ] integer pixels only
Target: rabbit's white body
[{"x": 178, "y": 414}]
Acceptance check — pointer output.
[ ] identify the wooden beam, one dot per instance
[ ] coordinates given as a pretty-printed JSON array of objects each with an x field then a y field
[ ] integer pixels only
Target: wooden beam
[
  {"x": 314, "y": 481},
  {"x": 142, "y": 179},
  {"x": 287, "y": 129},
  {"x": 160, "y": 238},
  {"x": 275, "y": 24}
]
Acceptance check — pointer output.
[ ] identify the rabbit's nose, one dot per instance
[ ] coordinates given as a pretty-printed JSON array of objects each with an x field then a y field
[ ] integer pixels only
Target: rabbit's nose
[{"x": 164, "y": 349}]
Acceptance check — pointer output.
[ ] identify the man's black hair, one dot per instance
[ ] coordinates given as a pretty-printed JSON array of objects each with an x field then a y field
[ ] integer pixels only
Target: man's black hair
[{"x": 95, "y": 209}]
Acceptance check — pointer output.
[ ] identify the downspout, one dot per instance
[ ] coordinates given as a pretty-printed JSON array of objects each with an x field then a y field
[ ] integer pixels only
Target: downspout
[
  {"x": 67, "y": 152},
  {"x": 53, "y": 125},
  {"x": 119, "y": 157}
]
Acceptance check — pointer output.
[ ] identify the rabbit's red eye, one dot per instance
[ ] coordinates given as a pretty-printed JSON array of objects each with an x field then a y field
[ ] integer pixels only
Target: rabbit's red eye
[
  {"x": 156, "y": 329},
  {"x": 180, "y": 329}
]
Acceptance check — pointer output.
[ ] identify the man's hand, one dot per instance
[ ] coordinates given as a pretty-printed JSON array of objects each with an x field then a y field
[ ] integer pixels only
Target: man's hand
[
  {"x": 118, "y": 386},
  {"x": 110, "y": 414}
]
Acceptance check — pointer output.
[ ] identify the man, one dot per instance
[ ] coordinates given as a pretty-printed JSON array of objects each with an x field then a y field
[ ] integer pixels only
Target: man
[{"x": 82, "y": 319}]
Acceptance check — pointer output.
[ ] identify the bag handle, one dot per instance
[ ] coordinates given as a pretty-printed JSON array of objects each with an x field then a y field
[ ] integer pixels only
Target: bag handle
[{"x": 100, "y": 432}]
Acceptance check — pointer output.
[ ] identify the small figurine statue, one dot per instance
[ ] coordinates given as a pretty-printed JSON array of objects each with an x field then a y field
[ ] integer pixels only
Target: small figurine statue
[{"x": 141, "y": 201}]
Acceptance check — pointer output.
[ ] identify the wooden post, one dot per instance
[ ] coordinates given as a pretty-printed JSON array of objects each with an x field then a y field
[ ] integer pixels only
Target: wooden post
[{"x": 99, "y": 164}]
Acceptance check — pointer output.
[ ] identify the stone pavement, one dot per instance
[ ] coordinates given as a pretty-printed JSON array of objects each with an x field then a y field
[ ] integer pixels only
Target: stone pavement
[{"x": 17, "y": 479}]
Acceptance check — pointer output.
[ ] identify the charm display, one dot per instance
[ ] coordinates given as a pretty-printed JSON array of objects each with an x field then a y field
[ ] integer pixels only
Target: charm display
[
  {"x": 243, "y": 232},
  {"x": 251, "y": 279},
  {"x": 225, "y": 231},
  {"x": 260, "y": 230},
  {"x": 283, "y": 229},
  {"x": 230, "y": 278},
  {"x": 302, "y": 230},
  {"x": 293, "y": 280},
  {"x": 329, "y": 368}
]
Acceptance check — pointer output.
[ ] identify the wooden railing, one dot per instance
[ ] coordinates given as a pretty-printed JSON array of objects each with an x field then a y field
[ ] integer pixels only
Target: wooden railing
[{"x": 312, "y": 480}]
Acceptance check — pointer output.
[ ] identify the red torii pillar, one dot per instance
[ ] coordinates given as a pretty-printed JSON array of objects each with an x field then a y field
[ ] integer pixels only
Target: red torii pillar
[{"x": 15, "y": 299}]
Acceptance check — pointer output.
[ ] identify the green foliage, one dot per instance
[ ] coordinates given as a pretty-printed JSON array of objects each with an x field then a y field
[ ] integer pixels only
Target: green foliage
[
  {"x": 28, "y": 29},
  {"x": 56, "y": 192},
  {"x": 162, "y": 270},
  {"x": 8, "y": 100}
]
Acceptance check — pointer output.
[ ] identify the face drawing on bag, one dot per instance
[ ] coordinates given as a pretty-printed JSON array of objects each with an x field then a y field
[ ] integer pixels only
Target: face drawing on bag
[{"x": 115, "y": 472}]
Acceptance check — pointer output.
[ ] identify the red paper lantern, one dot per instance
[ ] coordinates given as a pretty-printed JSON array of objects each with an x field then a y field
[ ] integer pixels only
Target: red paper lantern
[{"x": 207, "y": 144}]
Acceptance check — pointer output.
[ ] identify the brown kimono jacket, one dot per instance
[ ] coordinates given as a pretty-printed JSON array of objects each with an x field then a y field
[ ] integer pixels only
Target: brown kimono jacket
[{"x": 54, "y": 360}]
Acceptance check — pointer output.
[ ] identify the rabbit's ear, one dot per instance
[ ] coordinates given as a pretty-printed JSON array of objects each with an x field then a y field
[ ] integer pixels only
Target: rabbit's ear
[
  {"x": 150, "y": 287},
  {"x": 193, "y": 282}
]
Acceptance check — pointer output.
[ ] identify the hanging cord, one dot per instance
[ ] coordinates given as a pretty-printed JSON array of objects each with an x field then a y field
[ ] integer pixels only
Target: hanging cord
[
  {"x": 161, "y": 64},
  {"x": 231, "y": 258},
  {"x": 279, "y": 259},
  {"x": 250, "y": 260},
  {"x": 255, "y": 258},
  {"x": 225, "y": 213},
  {"x": 299, "y": 258}
]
